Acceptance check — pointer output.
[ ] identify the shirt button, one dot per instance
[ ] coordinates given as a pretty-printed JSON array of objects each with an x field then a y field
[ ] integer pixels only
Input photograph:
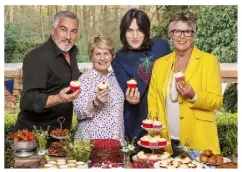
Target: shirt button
[{"x": 181, "y": 117}]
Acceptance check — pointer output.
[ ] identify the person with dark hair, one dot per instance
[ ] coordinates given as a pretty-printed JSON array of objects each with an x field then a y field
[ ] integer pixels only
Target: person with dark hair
[
  {"x": 186, "y": 90},
  {"x": 135, "y": 60},
  {"x": 47, "y": 72}
]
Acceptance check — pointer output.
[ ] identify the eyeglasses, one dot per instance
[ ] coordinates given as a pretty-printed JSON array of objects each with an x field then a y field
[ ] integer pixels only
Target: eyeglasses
[{"x": 186, "y": 33}]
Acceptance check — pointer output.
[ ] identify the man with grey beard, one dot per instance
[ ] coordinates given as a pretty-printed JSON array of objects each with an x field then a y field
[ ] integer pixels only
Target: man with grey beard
[{"x": 47, "y": 72}]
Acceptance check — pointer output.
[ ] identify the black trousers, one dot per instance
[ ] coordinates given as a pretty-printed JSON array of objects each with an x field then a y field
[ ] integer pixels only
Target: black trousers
[{"x": 175, "y": 147}]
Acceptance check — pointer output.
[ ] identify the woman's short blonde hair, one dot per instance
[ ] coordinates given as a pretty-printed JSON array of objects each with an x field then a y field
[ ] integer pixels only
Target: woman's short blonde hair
[
  {"x": 187, "y": 16},
  {"x": 102, "y": 42}
]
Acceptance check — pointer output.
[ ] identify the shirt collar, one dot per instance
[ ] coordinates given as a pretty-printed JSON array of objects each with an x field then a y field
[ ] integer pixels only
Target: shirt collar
[
  {"x": 97, "y": 74},
  {"x": 57, "y": 51}
]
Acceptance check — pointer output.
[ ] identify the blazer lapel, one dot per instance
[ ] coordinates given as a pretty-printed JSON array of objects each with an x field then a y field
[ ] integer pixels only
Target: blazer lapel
[
  {"x": 168, "y": 70},
  {"x": 192, "y": 65}
]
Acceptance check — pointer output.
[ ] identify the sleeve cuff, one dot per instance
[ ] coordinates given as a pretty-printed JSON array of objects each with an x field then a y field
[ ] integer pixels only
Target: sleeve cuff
[{"x": 193, "y": 99}]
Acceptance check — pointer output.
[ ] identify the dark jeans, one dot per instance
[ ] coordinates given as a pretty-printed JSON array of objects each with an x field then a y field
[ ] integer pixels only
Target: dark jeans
[{"x": 175, "y": 147}]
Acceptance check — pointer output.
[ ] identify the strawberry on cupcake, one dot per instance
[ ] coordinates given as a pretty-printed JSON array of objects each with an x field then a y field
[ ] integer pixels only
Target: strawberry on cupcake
[
  {"x": 132, "y": 83},
  {"x": 74, "y": 85}
]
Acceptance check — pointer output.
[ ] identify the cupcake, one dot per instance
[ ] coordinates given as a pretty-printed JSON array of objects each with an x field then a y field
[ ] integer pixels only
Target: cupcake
[
  {"x": 63, "y": 166},
  {"x": 145, "y": 140},
  {"x": 71, "y": 165},
  {"x": 132, "y": 83},
  {"x": 49, "y": 165},
  {"x": 164, "y": 156},
  {"x": 153, "y": 158},
  {"x": 157, "y": 124},
  {"x": 179, "y": 77},
  {"x": 147, "y": 123},
  {"x": 61, "y": 163},
  {"x": 141, "y": 157},
  {"x": 162, "y": 142},
  {"x": 153, "y": 142},
  {"x": 51, "y": 162},
  {"x": 71, "y": 161},
  {"x": 75, "y": 85},
  {"x": 102, "y": 85}
]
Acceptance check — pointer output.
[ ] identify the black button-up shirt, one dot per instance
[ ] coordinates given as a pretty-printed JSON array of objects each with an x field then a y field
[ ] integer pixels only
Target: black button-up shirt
[{"x": 46, "y": 72}]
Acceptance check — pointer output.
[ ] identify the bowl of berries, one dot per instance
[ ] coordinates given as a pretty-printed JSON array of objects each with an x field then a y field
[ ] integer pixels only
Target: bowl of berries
[{"x": 22, "y": 141}]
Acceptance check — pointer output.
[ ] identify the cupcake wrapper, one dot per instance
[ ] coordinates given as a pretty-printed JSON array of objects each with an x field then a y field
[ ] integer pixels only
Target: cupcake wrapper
[
  {"x": 74, "y": 88},
  {"x": 132, "y": 85},
  {"x": 157, "y": 126},
  {"x": 145, "y": 143},
  {"x": 179, "y": 79},
  {"x": 153, "y": 144},
  {"x": 147, "y": 125},
  {"x": 163, "y": 143}
]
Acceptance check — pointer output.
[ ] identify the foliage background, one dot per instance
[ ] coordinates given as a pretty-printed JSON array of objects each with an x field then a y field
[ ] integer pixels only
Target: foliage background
[{"x": 28, "y": 26}]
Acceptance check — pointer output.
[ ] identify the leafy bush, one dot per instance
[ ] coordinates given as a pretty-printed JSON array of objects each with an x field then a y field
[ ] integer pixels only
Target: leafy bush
[
  {"x": 227, "y": 125},
  {"x": 17, "y": 43},
  {"x": 230, "y": 99},
  {"x": 217, "y": 29}
]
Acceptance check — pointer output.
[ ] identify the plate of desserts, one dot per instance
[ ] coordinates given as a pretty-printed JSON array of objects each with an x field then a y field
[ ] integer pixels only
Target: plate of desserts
[
  {"x": 154, "y": 142},
  {"x": 177, "y": 162},
  {"x": 152, "y": 125},
  {"x": 59, "y": 133},
  {"x": 209, "y": 158},
  {"x": 146, "y": 157}
]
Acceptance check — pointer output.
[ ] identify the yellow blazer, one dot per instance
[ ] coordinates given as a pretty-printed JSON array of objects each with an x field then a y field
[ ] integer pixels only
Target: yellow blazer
[{"x": 197, "y": 120}]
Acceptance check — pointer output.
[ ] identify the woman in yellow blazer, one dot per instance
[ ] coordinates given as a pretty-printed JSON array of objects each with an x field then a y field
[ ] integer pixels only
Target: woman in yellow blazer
[{"x": 186, "y": 109}]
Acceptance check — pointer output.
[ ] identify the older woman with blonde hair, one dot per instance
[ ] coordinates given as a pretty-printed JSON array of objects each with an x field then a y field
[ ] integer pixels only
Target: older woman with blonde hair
[
  {"x": 185, "y": 89},
  {"x": 99, "y": 108}
]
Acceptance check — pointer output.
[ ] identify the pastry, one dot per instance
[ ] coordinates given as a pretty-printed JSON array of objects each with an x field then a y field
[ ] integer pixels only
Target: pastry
[
  {"x": 75, "y": 85},
  {"x": 147, "y": 123},
  {"x": 131, "y": 83},
  {"x": 204, "y": 158},
  {"x": 207, "y": 152},
  {"x": 103, "y": 85},
  {"x": 212, "y": 160}
]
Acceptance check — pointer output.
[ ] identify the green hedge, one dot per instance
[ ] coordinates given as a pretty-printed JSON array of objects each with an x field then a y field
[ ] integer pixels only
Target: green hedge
[{"x": 226, "y": 123}]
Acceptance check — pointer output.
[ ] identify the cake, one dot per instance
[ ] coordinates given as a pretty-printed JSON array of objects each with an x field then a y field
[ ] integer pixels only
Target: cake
[
  {"x": 157, "y": 124},
  {"x": 161, "y": 141},
  {"x": 147, "y": 123},
  {"x": 106, "y": 150},
  {"x": 103, "y": 85},
  {"x": 74, "y": 85},
  {"x": 131, "y": 83}
]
